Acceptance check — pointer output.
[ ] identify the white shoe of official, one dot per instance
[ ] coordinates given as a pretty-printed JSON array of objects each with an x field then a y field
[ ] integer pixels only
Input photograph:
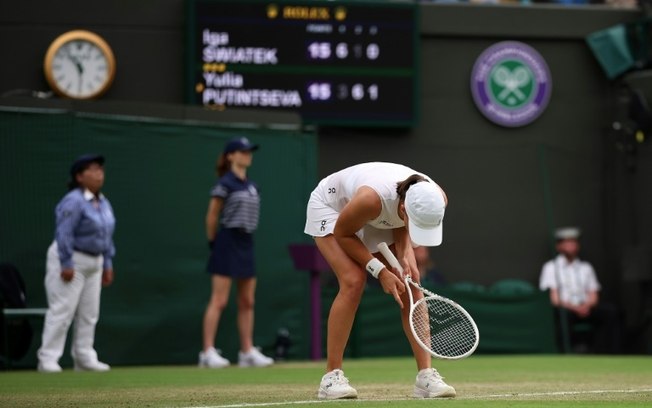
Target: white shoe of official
[
  {"x": 334, "y": 385},
  {"x": 92, "y": 366},
  {"x": 430, "y": 384},
  {"x": 254, "y": 358},
  {"x": 48, "y": 367},
  {"x": 211, "y": 358}
]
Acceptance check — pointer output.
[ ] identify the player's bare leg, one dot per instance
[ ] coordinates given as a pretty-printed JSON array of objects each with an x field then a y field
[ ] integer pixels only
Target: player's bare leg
[
  {"x": 351, "y": 279},
  {"x": 421, "y": 356}
]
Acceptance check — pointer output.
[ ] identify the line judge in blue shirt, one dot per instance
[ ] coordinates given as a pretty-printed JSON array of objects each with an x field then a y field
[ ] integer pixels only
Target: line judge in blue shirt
[{"x": 79, "y": 263}]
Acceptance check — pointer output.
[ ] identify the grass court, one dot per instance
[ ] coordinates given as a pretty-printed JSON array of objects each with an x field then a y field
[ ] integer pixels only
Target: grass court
[{"x": 481, "y": 381}]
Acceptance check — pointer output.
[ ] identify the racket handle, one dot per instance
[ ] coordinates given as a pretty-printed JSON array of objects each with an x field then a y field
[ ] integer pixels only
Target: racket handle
[{"x": 387, "y": 253}]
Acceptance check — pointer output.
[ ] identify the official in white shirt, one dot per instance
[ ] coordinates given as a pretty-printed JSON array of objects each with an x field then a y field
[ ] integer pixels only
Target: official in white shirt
[
  {"x": 574, "y": 288},
  {"x": 572, "y": 281}
]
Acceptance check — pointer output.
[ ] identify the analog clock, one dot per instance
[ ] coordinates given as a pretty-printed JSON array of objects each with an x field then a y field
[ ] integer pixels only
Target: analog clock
[{"x": 79, "y": 65}]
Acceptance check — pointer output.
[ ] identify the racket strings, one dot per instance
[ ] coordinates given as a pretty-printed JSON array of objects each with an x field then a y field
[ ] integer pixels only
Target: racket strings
[{"x": 443, "y": 328}]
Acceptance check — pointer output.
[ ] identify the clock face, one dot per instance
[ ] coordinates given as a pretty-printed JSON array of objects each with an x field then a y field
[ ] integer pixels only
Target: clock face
[{"x": 79, "y": 65}]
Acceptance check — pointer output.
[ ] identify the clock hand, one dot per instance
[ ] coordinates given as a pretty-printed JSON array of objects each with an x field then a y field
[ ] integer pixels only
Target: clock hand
[
  {"x": 75, "y": 61},
  {"x": 80, "y": 67},
  {"x": 79, "y": 86}
]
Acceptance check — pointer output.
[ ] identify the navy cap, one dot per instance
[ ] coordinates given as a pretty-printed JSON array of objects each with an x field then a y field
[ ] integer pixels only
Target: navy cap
[
  {"x": 83, "y": 161},
  {"x": 240, "y": 144}
]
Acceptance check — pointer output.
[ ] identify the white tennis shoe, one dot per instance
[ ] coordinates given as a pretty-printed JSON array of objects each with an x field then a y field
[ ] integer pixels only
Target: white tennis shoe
[
  {"x": 93, "y": 365},
  {"x": 334, "y": 385},
  {"x": 211, "y": 358},
  {"x": 254, "y": 358},
  {"x": 49, "y": 367},
  {"x": 430, "y": 384}
]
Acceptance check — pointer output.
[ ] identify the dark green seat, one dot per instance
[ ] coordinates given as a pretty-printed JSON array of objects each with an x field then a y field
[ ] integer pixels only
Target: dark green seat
[
  {"x": 467, "y": 286},
  {"x": 512, "y": 287}
]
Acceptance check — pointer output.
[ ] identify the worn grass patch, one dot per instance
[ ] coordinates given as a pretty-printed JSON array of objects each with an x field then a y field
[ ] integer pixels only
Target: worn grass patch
[{"x": 481, "y": 381}]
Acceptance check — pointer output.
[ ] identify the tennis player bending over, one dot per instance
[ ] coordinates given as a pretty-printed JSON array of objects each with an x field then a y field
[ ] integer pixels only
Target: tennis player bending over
[{"x": 348, "y": 214}]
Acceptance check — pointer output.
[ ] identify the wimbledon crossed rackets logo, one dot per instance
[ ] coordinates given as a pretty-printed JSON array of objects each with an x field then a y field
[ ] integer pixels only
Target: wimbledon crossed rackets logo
[{"x": 511, "y": 84}]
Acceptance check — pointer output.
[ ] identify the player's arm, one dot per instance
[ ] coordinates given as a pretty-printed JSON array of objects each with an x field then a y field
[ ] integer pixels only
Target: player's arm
[
  {"x": 405, "y": 252},
  {"x": 363, "y": 207},
  {"x": 212, "y": 217}
]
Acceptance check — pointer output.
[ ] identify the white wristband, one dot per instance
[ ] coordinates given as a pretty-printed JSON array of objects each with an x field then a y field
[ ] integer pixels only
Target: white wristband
[{"x": 374, "y": 267}]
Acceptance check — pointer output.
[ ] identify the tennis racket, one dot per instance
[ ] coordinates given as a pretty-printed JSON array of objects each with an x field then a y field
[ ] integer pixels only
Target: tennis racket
[{"x": 441, "y": 327}]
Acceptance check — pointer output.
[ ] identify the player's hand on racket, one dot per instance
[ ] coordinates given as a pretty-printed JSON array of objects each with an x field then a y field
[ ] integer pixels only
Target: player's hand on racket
[
  {"x": 439, "y": 325},
  {"x": 409, "y": 269},
  {"x": 413, "y": 272},
  {"x": 391, "y": 284}
]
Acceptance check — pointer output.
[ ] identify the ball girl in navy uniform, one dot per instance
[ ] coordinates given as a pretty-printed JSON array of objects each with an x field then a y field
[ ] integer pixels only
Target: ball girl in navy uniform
[{"x": 231, "y": 219}]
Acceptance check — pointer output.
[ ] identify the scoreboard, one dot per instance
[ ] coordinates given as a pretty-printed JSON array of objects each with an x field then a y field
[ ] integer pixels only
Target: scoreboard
[{"x": 333, "y": 62}]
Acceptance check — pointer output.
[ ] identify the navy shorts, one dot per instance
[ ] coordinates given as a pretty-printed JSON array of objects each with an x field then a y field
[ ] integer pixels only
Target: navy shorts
[{"x": 232, "y": 254}]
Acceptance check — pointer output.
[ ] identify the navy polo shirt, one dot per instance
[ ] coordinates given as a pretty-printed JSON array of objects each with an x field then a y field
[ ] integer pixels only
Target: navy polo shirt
[{"x": 241, "y": 207}]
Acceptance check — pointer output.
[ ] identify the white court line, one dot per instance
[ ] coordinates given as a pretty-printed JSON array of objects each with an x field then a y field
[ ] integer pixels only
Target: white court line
[
  {"x": 558, "y": 393},
  {"x": 275, "y": 404},
  {"x": 515, "y": 394}
]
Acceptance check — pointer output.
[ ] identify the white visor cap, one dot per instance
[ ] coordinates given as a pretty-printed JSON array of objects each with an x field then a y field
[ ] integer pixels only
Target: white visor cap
[
  {"x": 567, "y": 233},
  {"x": 425, "y": 205}
]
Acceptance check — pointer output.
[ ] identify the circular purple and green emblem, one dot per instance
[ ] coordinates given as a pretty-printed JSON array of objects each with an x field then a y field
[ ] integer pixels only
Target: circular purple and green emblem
[{"x": 511, "y": 84}]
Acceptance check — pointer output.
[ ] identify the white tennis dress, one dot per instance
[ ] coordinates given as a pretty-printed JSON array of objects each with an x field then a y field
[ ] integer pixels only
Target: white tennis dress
[{"x": 333, "y": 192}]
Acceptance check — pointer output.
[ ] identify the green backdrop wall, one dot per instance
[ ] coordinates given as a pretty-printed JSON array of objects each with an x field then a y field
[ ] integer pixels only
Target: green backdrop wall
[{"x": 158, "y": 177}]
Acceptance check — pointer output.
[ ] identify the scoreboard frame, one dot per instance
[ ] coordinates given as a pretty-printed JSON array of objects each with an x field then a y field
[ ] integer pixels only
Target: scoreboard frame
[{"x": 393, "y": 82}]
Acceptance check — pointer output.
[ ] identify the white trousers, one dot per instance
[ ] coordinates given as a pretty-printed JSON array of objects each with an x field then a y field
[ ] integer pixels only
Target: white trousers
[{"x": 78, "y": 299}]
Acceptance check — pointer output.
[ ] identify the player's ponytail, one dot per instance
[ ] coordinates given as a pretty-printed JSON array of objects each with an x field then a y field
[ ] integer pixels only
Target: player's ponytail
[{"x": 403, "y": 186}]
